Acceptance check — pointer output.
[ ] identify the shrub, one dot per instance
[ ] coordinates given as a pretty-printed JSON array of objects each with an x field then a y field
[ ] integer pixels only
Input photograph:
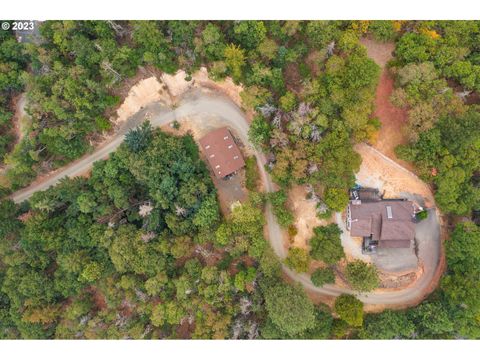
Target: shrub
[
  {"x": 323, "y": 276},
  {"x": 298, "y": 259},
  {"x": 422, "y": 215},
  {"x": 382, "y": 30},
  {"x": 279, "y": 207},
  {"x": 336, "y": 198},
  {"x": 251, "y": 173}
]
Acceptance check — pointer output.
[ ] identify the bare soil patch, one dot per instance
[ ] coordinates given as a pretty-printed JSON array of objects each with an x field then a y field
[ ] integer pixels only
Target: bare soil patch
[
  {"x": 380, "y": 52},
  {"x": 143, "y": 93},
  {"x": 390, "y": 178},
  {"x": 393, "y": 282},
  {"x": 305, "y": 214},
  {"x": 293, "y": 79},
  {"x": 20, "y": 119},
  {"x": 393, "y": 119},
  {"x": 226, "y": 86}
]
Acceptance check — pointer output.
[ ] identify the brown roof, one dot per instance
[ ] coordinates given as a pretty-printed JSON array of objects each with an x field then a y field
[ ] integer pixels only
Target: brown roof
[
  {"x": 389, "y": 222},
  {"x": 222, "y": 153}
]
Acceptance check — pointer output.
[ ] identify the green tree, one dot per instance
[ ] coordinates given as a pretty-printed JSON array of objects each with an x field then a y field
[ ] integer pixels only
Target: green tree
[
  {"x": 388, "y": 325},
  {"x": 249, "y": 34},
  {"x": 323, "y": 276},
  {"x": 382, "y": 30},
  {"x": 350, "y": 309},
  {"x": 213, "y": 42},
  {"x": 432, "y": 320},
  {"x": 362, "y": 276},
  {"x": 336, "y": 199},
  {"x": 326, "y": 245},
  {"x": 289, "y": 308},
  {"x": 288, "y": 102},
  {"x": 279, "y": 200},
  {"x": 235, "y": 60},
  {"x": 298, "y": 259},
  {"x": 139, "y": 139},
  {"x": 259, "y": 132}
]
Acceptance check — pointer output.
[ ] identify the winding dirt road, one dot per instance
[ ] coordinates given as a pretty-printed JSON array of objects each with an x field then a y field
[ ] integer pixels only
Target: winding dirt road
[{"x": 202, "y": 107}]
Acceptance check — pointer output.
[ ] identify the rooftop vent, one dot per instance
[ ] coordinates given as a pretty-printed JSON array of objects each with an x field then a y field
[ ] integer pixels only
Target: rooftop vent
[{"x": 389, "y": 212}]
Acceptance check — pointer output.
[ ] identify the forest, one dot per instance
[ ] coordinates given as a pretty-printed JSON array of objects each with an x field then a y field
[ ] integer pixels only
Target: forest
[{"x": 139, "y": 249}]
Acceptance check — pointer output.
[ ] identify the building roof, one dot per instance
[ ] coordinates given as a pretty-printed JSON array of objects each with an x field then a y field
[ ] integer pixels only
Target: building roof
[
  {"x": 222, "y": 153},
  {"x": 389, "y": 222}
]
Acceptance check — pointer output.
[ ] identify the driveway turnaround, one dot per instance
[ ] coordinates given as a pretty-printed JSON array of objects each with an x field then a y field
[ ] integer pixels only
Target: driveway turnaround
[{"x": 201, "y": 107}]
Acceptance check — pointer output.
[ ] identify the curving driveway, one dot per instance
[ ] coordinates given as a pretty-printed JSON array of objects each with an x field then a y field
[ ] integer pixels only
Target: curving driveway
[{"x": 203, "y": 107}]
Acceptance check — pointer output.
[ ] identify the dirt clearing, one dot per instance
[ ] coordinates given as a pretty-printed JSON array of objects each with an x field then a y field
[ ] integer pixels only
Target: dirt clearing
[
  {"x": 379, "y": 52},
  {"x": 143, "y": 93},
  {"x": 305, "y": 214},
  {"x": 380, "y": 172}
]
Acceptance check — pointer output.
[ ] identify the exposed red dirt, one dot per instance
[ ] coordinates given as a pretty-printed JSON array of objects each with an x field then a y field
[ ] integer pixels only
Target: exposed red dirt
[
  {"x": 293, "y": 79},
  {"x": 392, "y": 118}
]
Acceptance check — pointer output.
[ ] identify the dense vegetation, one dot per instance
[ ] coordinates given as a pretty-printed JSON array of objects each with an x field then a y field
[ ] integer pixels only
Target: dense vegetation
[
  {"x": 311, "y": 84},
  {"x": 437, "y": 69},
  {"x": 140, "y": 250}
]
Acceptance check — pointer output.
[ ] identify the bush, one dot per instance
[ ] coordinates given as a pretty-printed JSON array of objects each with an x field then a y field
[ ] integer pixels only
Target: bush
[
  {"x": 362, "y": 276},
  {"x": 288, "y": 102},
  {"x": 422, "y": 215},
  {"x": 280, "y": 209},
  {"x": 251, "y": 173},
  {"x": 292, "y": 231},
  {"x": 259, "y": 132},
  {"x": 382, "y": 30},
  {"x": 387, "y": 325},
  {"x": 298, "y": 259},
  {"x": 336, "y": 198},
  {"x": 323, "y": 276}
]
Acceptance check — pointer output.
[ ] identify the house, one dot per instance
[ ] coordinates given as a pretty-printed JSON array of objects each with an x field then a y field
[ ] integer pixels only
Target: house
[
  {"x": 383, "y": 223},
  {"x": 222, "y": 153}
]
